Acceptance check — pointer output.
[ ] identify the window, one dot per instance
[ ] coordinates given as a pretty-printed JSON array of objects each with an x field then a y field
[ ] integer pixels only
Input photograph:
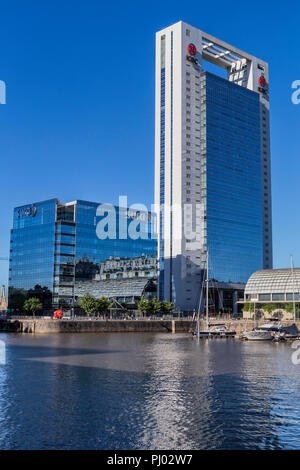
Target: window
[
  {"x": 264, "y": 297},
  {"x": 278, "y": 297},
  {"x": 292, "y": 296}
]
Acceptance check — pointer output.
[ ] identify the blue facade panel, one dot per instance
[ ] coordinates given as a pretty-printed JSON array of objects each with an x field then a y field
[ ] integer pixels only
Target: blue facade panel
[
  {"x": 32, "y": 245},
  {"x": 233, "y": 178},
  {"x": 91, "y": 248}
]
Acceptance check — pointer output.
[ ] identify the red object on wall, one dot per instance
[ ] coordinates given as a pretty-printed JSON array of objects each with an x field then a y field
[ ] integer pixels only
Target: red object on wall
[
  {"x": 262, "y": 81},
  {"x": 191, "y": 48},
  {"x": 58, "y": 314}
]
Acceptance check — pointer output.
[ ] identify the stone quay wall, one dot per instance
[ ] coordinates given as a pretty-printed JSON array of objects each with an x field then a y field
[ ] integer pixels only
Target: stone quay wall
[{"x": 47, "y": 326}]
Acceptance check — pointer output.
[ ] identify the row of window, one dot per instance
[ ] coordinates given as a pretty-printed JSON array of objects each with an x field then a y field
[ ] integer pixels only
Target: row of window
[{"x": 273, "y": 297}]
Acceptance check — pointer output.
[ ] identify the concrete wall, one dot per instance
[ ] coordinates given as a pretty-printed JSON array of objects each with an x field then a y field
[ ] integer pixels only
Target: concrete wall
[
  {"x": 118, "y": 326},
  {"x": 277, "y": 313},
  {"x": 94, "y": 326}
]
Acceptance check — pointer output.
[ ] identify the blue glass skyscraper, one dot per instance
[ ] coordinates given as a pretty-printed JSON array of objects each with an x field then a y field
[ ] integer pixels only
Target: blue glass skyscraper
[
  {"x": 232, "y": 168},
  {"x": 212, "y": 168}
]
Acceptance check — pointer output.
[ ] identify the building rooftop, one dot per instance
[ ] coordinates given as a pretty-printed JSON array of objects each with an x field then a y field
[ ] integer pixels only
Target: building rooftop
[
  {"x": 274, "y": 281},
  {"x": 217, "y": 51}
]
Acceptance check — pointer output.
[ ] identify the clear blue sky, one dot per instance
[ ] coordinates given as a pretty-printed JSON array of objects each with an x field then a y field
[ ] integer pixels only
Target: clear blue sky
[{"x": 79, "y": 118}]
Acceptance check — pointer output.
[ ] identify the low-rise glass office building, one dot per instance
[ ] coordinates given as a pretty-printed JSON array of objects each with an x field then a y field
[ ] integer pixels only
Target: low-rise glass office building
[
  {"x": 59, "y": 248},
  {"x": 273, "y": 293},
  {"x": 273, "y": 285}
]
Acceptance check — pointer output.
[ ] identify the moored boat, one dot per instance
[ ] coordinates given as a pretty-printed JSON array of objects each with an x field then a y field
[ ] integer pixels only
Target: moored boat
[
  {"x": 219, "y": 330},
  {"x": 270, "y": 331},
  {"x": 257, "y": 335}
]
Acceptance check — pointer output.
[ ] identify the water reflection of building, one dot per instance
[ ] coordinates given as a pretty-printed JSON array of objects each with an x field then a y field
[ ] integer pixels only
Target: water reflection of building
[
  {"x": 125, "y": 268},
  {"x": 128, "y": 290},
  {"x": 57, "y": 247},
  {"x": 123, "y": 279}
]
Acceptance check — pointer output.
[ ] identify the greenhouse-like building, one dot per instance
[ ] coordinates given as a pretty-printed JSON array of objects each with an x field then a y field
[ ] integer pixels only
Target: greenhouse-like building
[{"x": 272, "y": 292}]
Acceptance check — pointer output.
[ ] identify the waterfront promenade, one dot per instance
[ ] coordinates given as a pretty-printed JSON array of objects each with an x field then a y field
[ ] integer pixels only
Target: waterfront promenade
[{"x": 49, "y": 325}]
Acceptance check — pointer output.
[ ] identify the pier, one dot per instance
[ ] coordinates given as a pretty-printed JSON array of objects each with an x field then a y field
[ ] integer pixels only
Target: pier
[
  {"x": 47, "y": 326},
  {"x": 94, "y": 326}
]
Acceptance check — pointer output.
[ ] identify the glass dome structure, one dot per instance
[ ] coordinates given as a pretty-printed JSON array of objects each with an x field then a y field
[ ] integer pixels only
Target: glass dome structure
[{"x": 271, "y": 285}]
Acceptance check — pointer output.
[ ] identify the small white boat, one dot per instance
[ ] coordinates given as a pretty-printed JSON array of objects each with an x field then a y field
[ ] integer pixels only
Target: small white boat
[
  {"x": 221, "y": 330},
  {"x": 271, "y": 327},
  {"x": 262, "y": 333},
  {"x": 257, "y": 335},
  {"x": 201, "y": 333},
  {"x": 270, "y": 331}
]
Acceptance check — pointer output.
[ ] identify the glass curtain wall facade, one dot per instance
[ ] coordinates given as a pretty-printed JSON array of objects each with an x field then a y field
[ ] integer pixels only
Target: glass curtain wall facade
[
  {"x": 54, "y": 245},
  {"x": 231, "y": 185},
  {"x": 91, "y": 250},
  {"x": 32, "y": 248}
]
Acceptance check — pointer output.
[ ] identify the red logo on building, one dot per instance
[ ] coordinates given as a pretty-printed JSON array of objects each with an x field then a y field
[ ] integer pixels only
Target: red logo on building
[
  {"x": 191, "y": 48},
  {"x": 262, "y": 81}
]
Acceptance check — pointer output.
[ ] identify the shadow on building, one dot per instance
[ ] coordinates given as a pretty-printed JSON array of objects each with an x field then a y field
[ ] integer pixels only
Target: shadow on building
[{"x": 187, "y": 288}]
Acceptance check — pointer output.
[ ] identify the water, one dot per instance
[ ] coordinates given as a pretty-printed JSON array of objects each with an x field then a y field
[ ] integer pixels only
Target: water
[{"x": 147, "y": 391}]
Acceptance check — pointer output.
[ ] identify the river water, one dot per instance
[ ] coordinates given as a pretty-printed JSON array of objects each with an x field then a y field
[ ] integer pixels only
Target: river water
[{"x": 147, "y": 391}]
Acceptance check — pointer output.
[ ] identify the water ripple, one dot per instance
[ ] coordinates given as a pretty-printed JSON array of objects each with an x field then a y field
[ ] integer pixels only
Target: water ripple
[{"x": 143, "y": 391}]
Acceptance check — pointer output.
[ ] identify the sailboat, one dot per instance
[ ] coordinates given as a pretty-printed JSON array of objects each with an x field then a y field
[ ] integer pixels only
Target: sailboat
[{"x": 213, "y": 330}]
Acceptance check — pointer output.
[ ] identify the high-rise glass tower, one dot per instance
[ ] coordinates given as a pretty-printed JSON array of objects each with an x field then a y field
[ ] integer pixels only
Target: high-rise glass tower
[{"x": 212, "y": 166}]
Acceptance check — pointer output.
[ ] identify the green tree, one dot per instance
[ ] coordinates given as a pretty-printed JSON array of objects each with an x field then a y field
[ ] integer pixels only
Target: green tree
[
  {"x": 102, "y": 305},
  {"x": 32, "y": 305},
  {"x": 167, "y": 307},
  {"x": 155, "y": 306},
  {"x": 269, "y": 308},
  {"x": 289, "y": 308},
  {"x": 144, "y": 306},
  {"x": 88, "y": 303},
  {"x": 248, "y": 307}
]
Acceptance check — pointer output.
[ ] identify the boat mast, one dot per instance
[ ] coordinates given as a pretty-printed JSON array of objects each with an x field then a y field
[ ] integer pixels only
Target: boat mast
[
  {"x": 198, "y": 320},
  {"x": 199, "y": 308},
  {"x": 207, "y": 288},
  {"x": 294, "y": 305}
]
